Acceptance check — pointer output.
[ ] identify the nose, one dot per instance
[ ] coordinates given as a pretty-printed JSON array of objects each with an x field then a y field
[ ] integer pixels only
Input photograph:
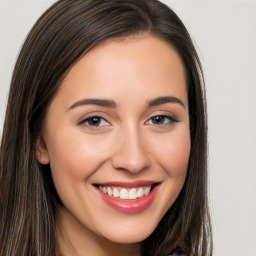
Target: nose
[{"x": 131, "y": 152}]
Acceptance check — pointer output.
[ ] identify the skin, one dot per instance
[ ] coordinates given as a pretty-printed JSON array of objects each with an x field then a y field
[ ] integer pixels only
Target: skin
[{"x": 126, "y": 145}]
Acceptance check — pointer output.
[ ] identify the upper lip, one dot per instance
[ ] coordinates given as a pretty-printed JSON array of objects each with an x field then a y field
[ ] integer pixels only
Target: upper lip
[{"x": 129, "y": 184}]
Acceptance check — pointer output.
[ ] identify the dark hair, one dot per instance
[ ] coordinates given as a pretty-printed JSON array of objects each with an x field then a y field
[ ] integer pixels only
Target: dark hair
[{"x": 62, "y": 35}]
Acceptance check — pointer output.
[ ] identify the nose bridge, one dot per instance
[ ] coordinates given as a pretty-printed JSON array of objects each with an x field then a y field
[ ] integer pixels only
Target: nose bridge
[{"x": 131, "y": 153}]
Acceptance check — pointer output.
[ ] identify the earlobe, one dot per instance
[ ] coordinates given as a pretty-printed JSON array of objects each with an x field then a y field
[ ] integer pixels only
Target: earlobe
[{"x": 41, "y": 152}]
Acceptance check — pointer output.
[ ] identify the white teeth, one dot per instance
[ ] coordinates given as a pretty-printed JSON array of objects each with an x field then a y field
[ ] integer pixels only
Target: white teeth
[
  {"x": 124, "y": 194},
  {"x": 109, "y": 191},
  {"x": 115, "y": 192},
  {"x": 140, "y": 193},
  {"x": 147, "y": 190},
  {"x": 132, "y": 194}
]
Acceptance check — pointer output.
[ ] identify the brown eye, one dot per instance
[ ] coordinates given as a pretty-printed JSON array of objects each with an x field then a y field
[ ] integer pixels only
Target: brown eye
[
  {"x": 95, "y": 121},
  {"x": 161, "y": 120},
  {"x": 158, "y": 119}
]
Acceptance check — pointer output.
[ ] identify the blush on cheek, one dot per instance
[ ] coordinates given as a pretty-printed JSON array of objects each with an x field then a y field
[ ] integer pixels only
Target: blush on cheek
[
  {"x": 175, "y": 156},
  {"x": 72, "y": 155}
]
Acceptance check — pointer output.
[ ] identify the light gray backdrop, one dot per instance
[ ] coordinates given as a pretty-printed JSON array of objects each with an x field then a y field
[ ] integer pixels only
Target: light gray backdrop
[{"x": 225, "y": 32}]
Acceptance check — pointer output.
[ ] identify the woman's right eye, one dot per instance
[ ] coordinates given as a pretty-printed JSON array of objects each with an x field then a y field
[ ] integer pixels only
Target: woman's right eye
[{"x": 94, "y": 122}]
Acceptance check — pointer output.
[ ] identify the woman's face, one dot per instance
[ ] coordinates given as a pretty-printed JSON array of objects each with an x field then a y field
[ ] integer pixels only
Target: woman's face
[{"x": 117, "y": 139}]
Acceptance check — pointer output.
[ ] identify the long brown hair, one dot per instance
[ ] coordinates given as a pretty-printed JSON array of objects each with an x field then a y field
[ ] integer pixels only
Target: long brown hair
[{"x": 62, "y": 35}]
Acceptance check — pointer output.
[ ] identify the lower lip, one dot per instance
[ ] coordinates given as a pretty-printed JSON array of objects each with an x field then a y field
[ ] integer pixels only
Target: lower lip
[{"x": 129, "y": 206}]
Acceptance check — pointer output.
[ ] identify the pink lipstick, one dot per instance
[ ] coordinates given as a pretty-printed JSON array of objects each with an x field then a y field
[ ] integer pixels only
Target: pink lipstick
[{"x": 128, "y": 197}]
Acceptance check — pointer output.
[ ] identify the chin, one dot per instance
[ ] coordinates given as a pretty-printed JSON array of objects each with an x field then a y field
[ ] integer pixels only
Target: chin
[
  {"x": 129, "y": 238},
  {"x": 129, "y": 235}
]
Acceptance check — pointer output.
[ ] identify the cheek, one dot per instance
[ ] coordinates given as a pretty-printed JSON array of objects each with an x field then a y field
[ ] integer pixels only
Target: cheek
[
  {"x": 74, "y": 155},
  {"x": 74, "y": 158},
  {"x": 173, "y": 153}
]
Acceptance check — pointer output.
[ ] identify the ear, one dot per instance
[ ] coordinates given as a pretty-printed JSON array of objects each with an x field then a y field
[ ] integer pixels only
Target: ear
[{"x": 41, "y": 152}]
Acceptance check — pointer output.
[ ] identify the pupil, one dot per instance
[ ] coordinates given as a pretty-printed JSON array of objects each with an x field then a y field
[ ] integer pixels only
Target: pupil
[
  {"x": 94, "y": 121},
  {"x": 158, "y": 119}
]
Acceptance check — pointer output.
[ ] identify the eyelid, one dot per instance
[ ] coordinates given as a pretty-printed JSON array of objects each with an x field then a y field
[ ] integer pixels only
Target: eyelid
[
  {"x": 93, "y": 128},
  {"x": 163, "y": 113},
  {"x": 93, "y": 114},
  {"x": 88, "y": 119},
  {"x": 172, "y": 119}
]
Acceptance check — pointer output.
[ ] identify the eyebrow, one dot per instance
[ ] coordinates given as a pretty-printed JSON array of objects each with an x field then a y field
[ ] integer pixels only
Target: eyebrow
[
  {"x": 112, "y": 104},
  {"x": 164, "y": 100},
  {"x": 98, "y": 102}
]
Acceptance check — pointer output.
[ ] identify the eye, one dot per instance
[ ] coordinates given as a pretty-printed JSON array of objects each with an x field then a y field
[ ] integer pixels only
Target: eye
[
  {"x": 161, "y": 120},
  {"x": 94, "y": 121}
]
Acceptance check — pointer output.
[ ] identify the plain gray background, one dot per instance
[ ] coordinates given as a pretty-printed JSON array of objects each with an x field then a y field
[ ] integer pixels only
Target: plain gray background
[{"x": 225, "y": 34}]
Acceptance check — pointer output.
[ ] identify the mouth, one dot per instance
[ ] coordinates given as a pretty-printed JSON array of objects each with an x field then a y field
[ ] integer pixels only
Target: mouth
[
  {"x": 128, "y": 197},
  {"x": 125, "y": 193}
]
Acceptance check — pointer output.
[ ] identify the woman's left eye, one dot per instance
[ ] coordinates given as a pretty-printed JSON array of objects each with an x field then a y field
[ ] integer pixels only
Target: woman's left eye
[
  {"x": 95, "y": 121},
  {"x": 161, "y": 120}
]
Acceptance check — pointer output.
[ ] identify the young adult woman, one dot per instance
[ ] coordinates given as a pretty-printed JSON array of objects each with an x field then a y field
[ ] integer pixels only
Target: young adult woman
[{"x": 104, "y": 147}]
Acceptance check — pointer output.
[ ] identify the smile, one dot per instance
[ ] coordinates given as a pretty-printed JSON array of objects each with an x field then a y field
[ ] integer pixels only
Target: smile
[
  {"x": 128, "y": 198},
  {"x": 126, "y": 193}
]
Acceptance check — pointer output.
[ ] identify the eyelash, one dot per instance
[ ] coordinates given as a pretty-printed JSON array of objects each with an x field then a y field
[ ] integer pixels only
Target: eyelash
[
  {"x": 91, "y": 126},
  {"x": 168, "y": 121}
]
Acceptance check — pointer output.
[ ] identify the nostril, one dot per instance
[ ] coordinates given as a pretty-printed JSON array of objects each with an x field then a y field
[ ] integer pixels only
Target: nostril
[
  {"x": 131, "y": 154},
  {"x": 125, "y": 163}
]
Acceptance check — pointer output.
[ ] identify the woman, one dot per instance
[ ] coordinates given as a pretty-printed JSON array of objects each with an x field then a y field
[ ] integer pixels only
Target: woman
[{"x": 104, "y": 147}]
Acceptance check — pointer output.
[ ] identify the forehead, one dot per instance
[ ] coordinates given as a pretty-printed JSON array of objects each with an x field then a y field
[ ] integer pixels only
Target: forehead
[{"x": 138, "y": 65}]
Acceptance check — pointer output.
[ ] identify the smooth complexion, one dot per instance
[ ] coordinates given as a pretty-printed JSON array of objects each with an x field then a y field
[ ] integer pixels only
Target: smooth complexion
[{"x": 119, "y": 118}]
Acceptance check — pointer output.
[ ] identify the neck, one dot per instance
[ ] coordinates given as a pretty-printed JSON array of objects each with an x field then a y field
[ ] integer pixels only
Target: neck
[{"x": 74, "y": 239}]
